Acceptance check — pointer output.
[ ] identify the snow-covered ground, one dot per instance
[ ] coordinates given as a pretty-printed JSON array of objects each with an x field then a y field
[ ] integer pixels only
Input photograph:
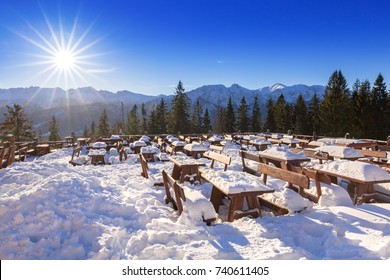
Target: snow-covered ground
[{"x": 50, "y": 209}]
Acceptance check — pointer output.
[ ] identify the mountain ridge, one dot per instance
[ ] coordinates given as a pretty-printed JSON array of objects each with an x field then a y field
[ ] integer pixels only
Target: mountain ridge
[{"x": 88, "y": 103}]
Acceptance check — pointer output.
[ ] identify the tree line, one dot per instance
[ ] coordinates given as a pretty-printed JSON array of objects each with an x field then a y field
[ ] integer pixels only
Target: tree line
[{"x": 363, "y": 112}]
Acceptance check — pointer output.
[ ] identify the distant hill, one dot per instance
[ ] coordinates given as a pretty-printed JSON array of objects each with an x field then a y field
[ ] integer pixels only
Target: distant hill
[{"x": 77, "y": 108}]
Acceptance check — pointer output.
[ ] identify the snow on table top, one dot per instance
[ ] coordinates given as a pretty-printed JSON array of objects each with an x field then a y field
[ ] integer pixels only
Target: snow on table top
[
  {"x": 149, "y": 149},
  {"x": 95, "y": 152},
  {"x": 283, "y": 152},
  {"x": 115, "y": 137},
  {"x": 139, "y": 144},
  {"x": 98, "y": 145},
  {"x": 232, "y": 181},
  {"x": 260, "y": 141},
  {"x": 183, "y": 159},
  {"x": 355, "y": 169},
  {"x": 216, "y": 138},
  {"x": 289, "y": 140},
  {"x": 343, "y": 141},
  {"x": 178, "y": 143},
  {"x": 195, "y": 147},
  {"x": 340, "y": 151}
]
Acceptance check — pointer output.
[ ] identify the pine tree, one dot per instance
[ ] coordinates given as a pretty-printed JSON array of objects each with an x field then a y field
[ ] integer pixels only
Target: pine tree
[
  {"x": 103, "y": 127},
  {"x": 85, "y": 132},
  {"x": 17, "y": 123},
  {"x": 197, "y": 119},
  {"x": 230, "y": 118},
  {"x": 93, "y": 128},
  {"x": 54, "y": 130},
  {"x": 335, "y": 109},
  {"x": 256, "y": 115},
  {"x": 133, "y": 125},
  {"x": 313, "y": 115},
  {"x": 280, "y": 114},
  {"x": 152, "y": 124},
  {"x": 301, "y": 124},
  {"x": 242, "y": 116},
  {"x": 270, "y": 118},
  {"x": 161, "y": 117},
  {"x": 219, "y": 123},
  {"x": 380, "y": 109},
  {"x": 179, "y": 119},
  {"x": 144, "y": 125},
  {"x": 206, "y": 127}
]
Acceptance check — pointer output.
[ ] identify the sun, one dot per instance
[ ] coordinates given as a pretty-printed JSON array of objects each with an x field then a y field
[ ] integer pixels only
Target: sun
[
  {"x": 65, "y": 60},
  {"x": 66, "y": 54}
]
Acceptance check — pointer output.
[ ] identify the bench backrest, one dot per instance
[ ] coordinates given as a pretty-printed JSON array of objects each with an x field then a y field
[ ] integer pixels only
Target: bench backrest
[
  {"x": 170, "y": 183},
  {"x": 317, "y": 154},
  {"x": 216, "y": 148},
  {"x": 4, "y": 156},
  {"x": 76, "y": 152},
  {"x": 224, "y": 159},
  {"x": 376, "y": 154},
  {"x": 285, "y": 175},
  {"x": 144, "y": 166},
  {"x": 245, "y": 155},
  {"x": 361, "y": 145}
]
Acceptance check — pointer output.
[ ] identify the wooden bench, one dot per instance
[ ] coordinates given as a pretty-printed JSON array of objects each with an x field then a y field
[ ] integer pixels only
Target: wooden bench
[
  {"x": 76, "y": 159},
  {"x": 223, "y": 186},
  {"x": 21, "y": 154},
  {"x": 298, "y": 179},
  {"x": 4, "y": 157},
  {"x": 374, "y": 154},
  {"x": 321, "y": 156},
  {"x": 122, "y": 154},
  {"x": 145, "y": 168},
  {"x": 175, "y": 194},
  {"x": 216, "y": 148},
  {"x": 248, "y": 156}
]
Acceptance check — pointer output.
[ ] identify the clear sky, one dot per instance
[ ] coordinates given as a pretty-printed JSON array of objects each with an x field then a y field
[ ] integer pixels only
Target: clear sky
[{"x": 147, "y": 46}]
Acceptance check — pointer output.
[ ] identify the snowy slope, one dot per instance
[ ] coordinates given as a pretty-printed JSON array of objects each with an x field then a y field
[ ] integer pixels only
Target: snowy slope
[{"x": 52, "y": 210}]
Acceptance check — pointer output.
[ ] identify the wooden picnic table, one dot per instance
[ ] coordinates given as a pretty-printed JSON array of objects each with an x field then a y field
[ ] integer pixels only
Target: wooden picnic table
[
  {"x": 186, "y": 168},
  {"x": 362, "y": 177},
  {"x": 97, "y": 156},
  {"x": 194, "y": 150},
  {"x": 42, "y": 149},
  {"x": 286, "y": 158}
]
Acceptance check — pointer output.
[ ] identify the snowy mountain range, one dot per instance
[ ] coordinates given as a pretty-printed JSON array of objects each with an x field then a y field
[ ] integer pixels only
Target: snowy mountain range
[{"x": 77, "y": 108}]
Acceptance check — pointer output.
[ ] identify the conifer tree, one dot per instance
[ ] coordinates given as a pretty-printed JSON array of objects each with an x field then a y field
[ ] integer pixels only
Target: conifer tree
[
  {"x": 280, "y": 113},
  {"x": 301, "y": 123},
  {"x": 270, "y": 118},
  {"x": 152, "y": 124},
  {"x": 103, "y": 127},
  {"x": 313, "y": 115},
  {"x": 133, "y": 125},
  {"x": 230, "y": 118},
  {"x": 161, "y": 117},
  {"x": 256, "y": 115},
  {"x": 335, "y": 109},
  {"x": 17, "y": 123},
  {"x": 242, "y": 116},
  {"x": 85, "y": 132},
  {"x": 197, "y": 119},
  {"x": 206, "y": 127},
  {"x": 380, "y": 109},
  {"x": 144, "y": 125},
  {"x": 179, "y": 119},
  {"x": 361, "y": 106},
  {"x": 220, "y": 120},
  {"x": 54, "y": 130},
  {"x": 93, "y": 128}
]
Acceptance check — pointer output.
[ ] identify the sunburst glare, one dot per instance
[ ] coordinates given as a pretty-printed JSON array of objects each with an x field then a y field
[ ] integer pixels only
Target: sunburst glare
[{"x": 67, "y": 58}]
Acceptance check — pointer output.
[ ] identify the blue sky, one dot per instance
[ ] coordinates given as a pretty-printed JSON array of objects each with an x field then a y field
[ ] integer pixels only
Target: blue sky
[{"x": 148, "y": 46}]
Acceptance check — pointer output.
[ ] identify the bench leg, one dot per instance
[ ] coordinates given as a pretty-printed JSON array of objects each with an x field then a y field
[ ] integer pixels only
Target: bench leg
[{"x": 216, "y": 198}]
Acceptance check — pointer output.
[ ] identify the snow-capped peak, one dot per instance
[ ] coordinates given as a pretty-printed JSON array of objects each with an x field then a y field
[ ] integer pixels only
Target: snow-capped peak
[{"x": 276, "y": 87}]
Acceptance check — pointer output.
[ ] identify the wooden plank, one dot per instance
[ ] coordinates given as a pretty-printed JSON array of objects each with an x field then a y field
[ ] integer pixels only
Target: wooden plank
[
  {"x": 376, "y": 154},
  {"x": 285, "y": 175}
]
